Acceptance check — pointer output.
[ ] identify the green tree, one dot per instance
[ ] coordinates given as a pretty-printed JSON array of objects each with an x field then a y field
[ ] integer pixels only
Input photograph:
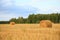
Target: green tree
[
  {"x": 20, "y": 20},
  {"x": 13, "y": 20}
]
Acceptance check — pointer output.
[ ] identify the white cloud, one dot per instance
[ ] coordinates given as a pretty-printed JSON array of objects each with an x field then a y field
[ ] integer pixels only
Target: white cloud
[
  {"x": 47, "y": 6},
  {"x": 5, "y": 15},
  {"x": 43, "y": 5},
  {"x": 6, "y": 3}
]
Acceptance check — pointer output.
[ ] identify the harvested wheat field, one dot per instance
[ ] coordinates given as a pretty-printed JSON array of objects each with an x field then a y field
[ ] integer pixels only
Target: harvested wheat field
[{"x": 29, "y": 32}]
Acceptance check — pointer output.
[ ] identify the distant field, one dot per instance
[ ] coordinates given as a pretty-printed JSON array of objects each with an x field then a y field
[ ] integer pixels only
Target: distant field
[{"x": 29, "y": 32}]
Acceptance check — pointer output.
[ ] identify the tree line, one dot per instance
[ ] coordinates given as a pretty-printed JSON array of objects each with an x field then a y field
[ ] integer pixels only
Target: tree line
[{"x": 36, "y": 18}]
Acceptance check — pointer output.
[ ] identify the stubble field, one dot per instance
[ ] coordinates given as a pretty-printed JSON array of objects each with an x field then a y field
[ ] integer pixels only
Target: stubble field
[{"x": 29, "y": 32}]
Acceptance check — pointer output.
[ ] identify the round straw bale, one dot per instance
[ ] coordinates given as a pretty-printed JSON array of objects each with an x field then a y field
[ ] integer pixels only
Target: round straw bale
[
  {"x": 45, "y": 23},
  {"x": 12, "y": 23}
]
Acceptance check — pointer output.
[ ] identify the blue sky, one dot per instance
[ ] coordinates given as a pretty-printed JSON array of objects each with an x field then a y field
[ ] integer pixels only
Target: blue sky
[{"x": 17, "y": 8}]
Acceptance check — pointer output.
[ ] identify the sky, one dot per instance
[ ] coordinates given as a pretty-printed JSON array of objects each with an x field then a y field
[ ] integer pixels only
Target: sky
[{"x": 17, "y": 8}]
